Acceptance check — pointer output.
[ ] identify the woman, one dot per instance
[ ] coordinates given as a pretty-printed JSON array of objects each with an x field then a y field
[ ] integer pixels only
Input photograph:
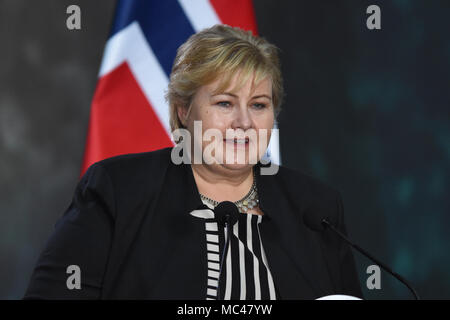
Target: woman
[{"x": 144, "y": 226}]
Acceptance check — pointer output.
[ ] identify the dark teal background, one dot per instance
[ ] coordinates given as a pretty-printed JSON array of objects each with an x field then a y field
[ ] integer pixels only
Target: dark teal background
[{"x": 366, "y": 111}]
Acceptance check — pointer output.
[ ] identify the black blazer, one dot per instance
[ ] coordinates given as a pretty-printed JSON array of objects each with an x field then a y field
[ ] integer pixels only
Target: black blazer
[{"x": 129, "y": 230}]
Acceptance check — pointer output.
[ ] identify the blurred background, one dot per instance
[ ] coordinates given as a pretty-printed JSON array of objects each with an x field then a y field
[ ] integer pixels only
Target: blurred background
[{"x": 366, "y": 111}]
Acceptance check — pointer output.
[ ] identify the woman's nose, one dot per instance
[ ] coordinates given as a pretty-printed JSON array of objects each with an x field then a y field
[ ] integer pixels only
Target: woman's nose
[{"x": 242, "y": 118}]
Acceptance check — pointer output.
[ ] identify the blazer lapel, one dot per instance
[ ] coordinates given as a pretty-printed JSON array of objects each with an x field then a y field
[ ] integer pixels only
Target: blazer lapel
[
  {"x": 190, "y": 240},
  {"x": 294, "y": 252}
]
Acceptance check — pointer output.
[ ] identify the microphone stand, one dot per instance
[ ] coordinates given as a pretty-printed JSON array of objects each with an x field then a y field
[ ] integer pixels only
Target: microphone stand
[
  {"x": 326, "y": 224},
  {"x": 225, "y": 251}
]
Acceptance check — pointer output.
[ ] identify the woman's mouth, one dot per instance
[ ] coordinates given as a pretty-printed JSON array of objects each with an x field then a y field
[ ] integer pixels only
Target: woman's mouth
[{"x": 238, "y": 142}]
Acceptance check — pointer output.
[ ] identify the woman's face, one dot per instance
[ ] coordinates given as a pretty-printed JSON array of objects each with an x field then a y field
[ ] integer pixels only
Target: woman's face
[{"x": 243, "y": 116}]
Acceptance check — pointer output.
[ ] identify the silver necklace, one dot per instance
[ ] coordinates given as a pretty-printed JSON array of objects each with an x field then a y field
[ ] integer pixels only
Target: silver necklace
[{"x": 248, "y": 202}]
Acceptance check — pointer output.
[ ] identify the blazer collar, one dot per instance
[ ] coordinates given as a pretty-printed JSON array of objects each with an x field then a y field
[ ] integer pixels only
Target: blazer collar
[
  {"x": 294, "y": 253},
  {"x": 194, "y": 201}
]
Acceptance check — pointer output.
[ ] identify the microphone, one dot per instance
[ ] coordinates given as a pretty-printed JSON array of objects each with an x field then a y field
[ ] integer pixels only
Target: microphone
[
  {"x": 320, "y": 222},
  {"x": 226, "y": 213}
]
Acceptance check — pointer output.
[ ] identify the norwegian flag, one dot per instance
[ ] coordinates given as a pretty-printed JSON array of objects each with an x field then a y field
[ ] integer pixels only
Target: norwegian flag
[{"x": 129, "y": 113}]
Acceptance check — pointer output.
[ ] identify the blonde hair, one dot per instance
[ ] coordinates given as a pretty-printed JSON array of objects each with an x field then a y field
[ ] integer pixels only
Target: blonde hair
[{"x": 221, "y": 51}]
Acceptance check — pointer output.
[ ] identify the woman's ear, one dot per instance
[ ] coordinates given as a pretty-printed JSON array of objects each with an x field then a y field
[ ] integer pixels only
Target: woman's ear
[{"x": 182, "y": 112}]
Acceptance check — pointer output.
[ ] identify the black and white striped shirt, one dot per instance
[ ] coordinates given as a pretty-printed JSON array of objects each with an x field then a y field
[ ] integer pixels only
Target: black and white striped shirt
[{"x": 246, "y": 274}]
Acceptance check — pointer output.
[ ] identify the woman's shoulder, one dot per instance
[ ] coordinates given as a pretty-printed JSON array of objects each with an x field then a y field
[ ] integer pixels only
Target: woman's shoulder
[
  {"x": 300, "y": 179},
  {"x": 130, "y": 172},
  {"x": 136, "y": 162}
]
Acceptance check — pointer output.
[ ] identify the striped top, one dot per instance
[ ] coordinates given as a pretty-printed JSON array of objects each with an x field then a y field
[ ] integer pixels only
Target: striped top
[{"x": 246, "y": 274}]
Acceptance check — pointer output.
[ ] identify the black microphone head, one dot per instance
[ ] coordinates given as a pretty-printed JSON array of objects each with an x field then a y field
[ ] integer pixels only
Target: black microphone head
[
  {"x": 226, "y": 210},
  {"x": 314, "y": 217}
]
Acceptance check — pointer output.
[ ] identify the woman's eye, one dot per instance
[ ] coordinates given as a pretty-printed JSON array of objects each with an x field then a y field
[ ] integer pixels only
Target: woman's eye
[
  {"x": 259, "y": 105},
  {"x": 224, "y": 103}
]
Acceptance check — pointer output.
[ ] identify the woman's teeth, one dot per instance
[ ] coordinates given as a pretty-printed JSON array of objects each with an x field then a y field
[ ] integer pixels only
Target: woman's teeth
[{"x": 241, "y": 141}]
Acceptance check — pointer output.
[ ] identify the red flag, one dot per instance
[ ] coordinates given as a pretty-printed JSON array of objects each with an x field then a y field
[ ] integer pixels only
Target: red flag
[{"x": 128, "y": 112}]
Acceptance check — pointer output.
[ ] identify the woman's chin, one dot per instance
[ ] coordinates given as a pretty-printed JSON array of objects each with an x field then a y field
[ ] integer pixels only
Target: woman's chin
[{"x": 236, "y": 166}]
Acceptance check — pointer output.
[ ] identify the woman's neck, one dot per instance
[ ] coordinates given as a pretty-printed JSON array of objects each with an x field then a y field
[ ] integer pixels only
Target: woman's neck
[{"x": 222, "y": 184}]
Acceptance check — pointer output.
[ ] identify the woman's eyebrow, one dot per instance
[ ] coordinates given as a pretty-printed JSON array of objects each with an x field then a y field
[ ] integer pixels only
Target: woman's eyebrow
[
  {"x": 262, "y": 96},
  {"x": 235, "y": 96},
  {"x": 225, "y": 93}
]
